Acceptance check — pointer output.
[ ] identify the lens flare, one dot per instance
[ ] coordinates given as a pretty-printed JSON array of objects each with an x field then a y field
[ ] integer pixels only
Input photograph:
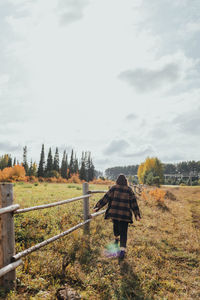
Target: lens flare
[{"x": 112, "y": 250}]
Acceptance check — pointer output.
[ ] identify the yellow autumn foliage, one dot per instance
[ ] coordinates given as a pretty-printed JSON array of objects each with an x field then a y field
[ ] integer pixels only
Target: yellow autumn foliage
[
  {"x": 150, "y": 171},
  {"x": 15, "y": 173}
]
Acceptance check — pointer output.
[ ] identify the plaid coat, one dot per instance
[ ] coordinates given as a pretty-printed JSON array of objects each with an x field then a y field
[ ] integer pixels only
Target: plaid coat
[{"x": 121, "y": 202}]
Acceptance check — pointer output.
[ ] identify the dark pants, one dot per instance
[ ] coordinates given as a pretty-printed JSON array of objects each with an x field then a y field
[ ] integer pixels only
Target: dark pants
[{"x": 121, "y": 228}]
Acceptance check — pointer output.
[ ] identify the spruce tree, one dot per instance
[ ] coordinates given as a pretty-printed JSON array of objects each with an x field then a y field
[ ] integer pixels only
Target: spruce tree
[
  {"x": 5, "y": 161},
  {"x": 90, "y": 168},
  {"x": 9, "y": 161},
  {"x": 82, "y": 172},
  {"x": 76, "y": 168},
  {"x": 40, "y": 171},
  {"x": 56, "y": 161},
  {"x": 25, "y": 163},
  {"x": 91, "y": 171},
  {"x": 30, "y": 170},
  {"x": 14, "y": 162},
  {"x": 86, "y": 165},
  {"x": 71, "y": 164},
  {"x": 64, "y": 165},
  {"x": 49, "y": 166}
]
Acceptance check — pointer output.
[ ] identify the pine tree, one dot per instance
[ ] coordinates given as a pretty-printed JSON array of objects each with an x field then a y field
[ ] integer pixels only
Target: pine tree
[
  {"x": 9, "y": 161},
  {"x": 82, "y": 172},
  {"x": 40, "y": 171},
  {"x": 49, "y": 166},
  {"x": 25, "y": 163},
  {"x": 71, "y": 164},
  {"x": 76, "y": 168},
  {"x": 87, "y": 170},
  {"x": 64, "y": 165},
  {"x": 14, "y": 162},
  {"x": 30, "y": 170},
  {"x": 90, "y": 168},
  {"x": 91, "y": 171},
  {"x": 67, "y": 167},
  {"x": 4, "y": 161},
  {"x": 85, "y": 158},
  {"x": 56, "y": 161}
]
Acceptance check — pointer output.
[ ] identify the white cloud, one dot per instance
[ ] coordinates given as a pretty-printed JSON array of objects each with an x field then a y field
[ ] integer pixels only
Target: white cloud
[
  {"x": 169, "y": 71},
  {"x": 71, "y": 10},
  {"x": 8, "y": 147},
  {"x": 145, "y": 80},
  {"x": 141, "y": 152},
  {"x": 193, "y": 27},
  {"x": 59, "y": 84},
  {"x": 189, "y": 122},
  {"x": 131, "y": 117},
  {"x": 116, "y": 147}
]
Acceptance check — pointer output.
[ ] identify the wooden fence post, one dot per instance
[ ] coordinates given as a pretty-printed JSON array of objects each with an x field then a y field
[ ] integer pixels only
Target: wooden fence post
[
  {"x": 86, "y": 208},
  {"x": 7, "y": 236}
]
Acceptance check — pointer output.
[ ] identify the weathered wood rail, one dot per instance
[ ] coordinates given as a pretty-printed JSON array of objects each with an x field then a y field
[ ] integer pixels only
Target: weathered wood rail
[
  {"x": 138, "y": 188},
  {"x": 9, "y": 261}
]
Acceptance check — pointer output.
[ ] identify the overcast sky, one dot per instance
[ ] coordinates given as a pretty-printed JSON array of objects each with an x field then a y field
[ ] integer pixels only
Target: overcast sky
[{"x": 119, "y": 78}]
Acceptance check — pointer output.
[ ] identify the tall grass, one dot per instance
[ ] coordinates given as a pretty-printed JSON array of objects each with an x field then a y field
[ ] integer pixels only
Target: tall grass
[{"x": 163, "y": 248}]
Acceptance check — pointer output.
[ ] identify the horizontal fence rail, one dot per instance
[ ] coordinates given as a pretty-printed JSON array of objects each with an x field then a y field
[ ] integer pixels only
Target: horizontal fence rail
[
  {"x": 23, "y": 210},
  {"x": 138, "y": 189},
  {"x": 98, "y": 191},
  {"x": 98, "y": 213},
  {"x": 54, "y": 238},
  {"x": 9, "y": 261},
  {"x": 10, "y": 267},
  {"x": 9, "y": 209}
]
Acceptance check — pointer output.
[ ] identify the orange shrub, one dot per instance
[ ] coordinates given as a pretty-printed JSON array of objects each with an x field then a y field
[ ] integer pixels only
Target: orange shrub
[
  {"x": 61, "y": 180},
  {"x": 16, "y": 173},
  {"x": 74, "y": 179},
  {"x": 51, "y": 179},
  {"x": 55, "y": 180},
  {"x": 5, "y": 174},
  {"x": 144, "y": 196},
  {"x": 101, "y": 181},
  {"x": 157, "y": 194}
]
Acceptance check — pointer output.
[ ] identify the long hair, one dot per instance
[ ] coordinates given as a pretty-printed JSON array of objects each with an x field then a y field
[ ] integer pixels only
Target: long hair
[{"x": 121, "y": 180}]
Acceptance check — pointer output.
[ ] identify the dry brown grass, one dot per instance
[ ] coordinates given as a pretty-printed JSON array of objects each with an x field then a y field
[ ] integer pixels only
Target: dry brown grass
[
  {"x": 163, "y": 256},
  {"x": 166, "y": 245}
]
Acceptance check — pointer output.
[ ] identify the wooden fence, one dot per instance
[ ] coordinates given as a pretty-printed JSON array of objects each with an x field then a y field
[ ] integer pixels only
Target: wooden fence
[{"x": 9, "y": 261}]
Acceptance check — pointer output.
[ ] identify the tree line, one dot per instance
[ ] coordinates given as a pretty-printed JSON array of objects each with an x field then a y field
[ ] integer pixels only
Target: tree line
[
  {"x": 112, "y": 173},
  {"x": 53, "y": 166},
  {"x": 184, "y": 167}
]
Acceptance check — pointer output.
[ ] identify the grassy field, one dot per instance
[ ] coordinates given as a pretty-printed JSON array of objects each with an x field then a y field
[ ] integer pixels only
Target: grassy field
[{"x": 163, "y": 256}]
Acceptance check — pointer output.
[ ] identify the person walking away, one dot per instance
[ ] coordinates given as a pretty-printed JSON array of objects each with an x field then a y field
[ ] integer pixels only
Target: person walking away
[{"x": 121, "y": 202}]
